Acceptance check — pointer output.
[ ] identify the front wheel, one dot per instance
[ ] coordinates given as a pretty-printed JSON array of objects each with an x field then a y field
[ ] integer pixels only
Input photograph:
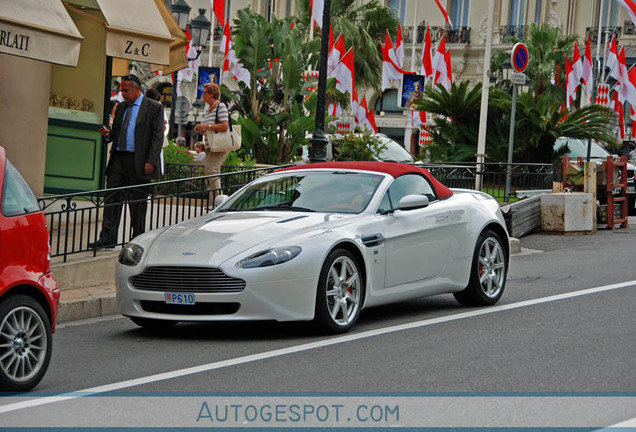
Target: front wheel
[
  {"x": 25, "y": 343},
  {"x": 488, "y": 273},
  {"x": 339, "y": 295}
]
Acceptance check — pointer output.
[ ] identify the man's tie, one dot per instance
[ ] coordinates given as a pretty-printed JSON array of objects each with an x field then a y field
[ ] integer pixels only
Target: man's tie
[{"x": 121, "y": 142}]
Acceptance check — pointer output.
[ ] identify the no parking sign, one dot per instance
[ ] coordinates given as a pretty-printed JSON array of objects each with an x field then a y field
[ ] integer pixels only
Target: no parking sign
[{"x": 519, "y": 57}]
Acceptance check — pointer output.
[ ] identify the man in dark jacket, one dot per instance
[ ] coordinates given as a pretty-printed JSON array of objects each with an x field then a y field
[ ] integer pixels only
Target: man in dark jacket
[{"x": 137, "y": 138}]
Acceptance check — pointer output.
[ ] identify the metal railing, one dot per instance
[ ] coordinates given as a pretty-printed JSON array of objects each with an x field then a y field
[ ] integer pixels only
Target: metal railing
[
  {"x": 74, "y": 220},
  {"x": 524, "y": 176},
  {"x": 607, "y": 33},
  {"x": 514, "y": 31}
]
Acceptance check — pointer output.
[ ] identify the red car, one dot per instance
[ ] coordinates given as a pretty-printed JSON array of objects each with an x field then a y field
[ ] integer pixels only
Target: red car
[{"x": 29, "y": 295}]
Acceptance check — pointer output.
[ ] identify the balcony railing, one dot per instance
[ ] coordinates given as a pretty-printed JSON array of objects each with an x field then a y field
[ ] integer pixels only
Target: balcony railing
[
  {"x": 607, "y": 33},
  {"x": 453, "y": 34},
  {"x": 514, "y": 31}
]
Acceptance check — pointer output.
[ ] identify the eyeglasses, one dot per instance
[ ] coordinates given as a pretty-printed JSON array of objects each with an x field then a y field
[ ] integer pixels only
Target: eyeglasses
[{"x": 132, "y": 78}]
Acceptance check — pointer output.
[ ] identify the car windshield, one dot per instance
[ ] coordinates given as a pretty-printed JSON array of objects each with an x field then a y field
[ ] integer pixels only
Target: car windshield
[
  {"x": 394, "y": 152},
  {"x": 319, "y": 191},
  {"x": 578, "y": 148}
]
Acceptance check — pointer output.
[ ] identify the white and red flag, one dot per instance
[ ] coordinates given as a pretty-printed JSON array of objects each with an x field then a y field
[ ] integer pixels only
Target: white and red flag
[
  {"x": 570, "y": 83},
  {"x": 630, "y": 6},
  {"x": 317, "y": 10},
  {"x": 389, "y": 67},
  {"x": 577, "y": 63},
  {"x": 612, "y": 60},
  {"x": 419, "y": 118},
  {"x": 617, "y": 105},
  {"x": 441, "y": 8},
  {"x": 588, "y": 73},
  {"x": 218, "y": 7},
  {"x": 427, "y": 63},
  {"x": 335, "y": 55},
  {"x": 399, "y": 48},
  {"x": 442, "y": 69},
  {"x": 623, "y": 87},
  {"x": 226, "y": 41},
  {"x": 344, "y": 73}
]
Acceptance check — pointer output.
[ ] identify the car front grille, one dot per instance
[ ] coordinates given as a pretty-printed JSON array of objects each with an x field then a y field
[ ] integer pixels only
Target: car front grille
[{"x": 186, "y": 279}]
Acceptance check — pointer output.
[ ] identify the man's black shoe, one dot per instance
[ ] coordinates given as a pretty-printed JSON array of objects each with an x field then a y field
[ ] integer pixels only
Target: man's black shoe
[{"x": 99, "y": 244}]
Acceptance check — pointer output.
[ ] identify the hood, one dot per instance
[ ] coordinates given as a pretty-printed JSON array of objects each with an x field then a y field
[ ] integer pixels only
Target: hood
[{"x": 217, "y": 237}]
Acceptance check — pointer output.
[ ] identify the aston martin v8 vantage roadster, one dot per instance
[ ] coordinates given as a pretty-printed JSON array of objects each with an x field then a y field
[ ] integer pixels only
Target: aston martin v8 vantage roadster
[{"x": 318, "y": 242}]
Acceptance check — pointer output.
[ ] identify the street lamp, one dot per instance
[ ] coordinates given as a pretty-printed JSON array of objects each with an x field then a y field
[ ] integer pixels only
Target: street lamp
[
  {"x": 200, "y": 30},
  {"x": 181, "y": 12}
]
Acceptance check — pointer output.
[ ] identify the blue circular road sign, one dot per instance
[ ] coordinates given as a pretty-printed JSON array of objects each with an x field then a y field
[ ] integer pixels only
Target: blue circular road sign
[{"x": 519, "y": 57}]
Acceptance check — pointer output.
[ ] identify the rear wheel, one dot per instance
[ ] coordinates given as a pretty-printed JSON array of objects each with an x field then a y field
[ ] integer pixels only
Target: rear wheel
[
  {"x": 488, "y": 273},
  {"x": 153, "y": 324},
  {"x": 339, "y": 295},
  {"x": 25, "y": 343}
]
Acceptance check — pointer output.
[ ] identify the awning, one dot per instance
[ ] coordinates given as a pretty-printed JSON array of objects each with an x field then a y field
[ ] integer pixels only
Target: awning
[
  {"x": 39, "y": 30},
  {"x": 178, "y": 58},
  {"x": 135, "y": 31}
]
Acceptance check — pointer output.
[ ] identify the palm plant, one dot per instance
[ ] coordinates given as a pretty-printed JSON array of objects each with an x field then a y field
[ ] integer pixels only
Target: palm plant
[
  {"x": 273, "y": 104},
  {"x": 456, "y": 118}
]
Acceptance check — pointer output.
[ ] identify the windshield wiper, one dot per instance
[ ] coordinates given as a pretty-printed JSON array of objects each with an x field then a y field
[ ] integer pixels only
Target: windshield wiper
[{"x": 284, "y": 207}]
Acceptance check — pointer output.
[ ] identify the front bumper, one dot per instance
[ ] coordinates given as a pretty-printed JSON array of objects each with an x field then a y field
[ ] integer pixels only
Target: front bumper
[{"x": 268, "y": 295}]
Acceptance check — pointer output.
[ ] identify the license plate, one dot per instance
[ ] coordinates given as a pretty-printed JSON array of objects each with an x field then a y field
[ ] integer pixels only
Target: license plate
[{"x": 179, "y": 298}]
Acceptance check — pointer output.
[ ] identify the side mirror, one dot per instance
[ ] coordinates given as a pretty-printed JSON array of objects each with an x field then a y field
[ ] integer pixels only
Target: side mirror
[
  {"x": 410, "y": 202},
  {"x": 219, "y": 199}
]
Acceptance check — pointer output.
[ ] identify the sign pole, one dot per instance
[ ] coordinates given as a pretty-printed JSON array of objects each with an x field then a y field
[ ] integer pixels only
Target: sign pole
[
  {"x": 511, "y": 142},
  {"x": 519, "y": 61}
]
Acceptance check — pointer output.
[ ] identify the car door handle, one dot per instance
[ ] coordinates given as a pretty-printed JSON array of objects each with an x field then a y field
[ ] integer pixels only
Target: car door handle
[{"x": 441, "y": 218}]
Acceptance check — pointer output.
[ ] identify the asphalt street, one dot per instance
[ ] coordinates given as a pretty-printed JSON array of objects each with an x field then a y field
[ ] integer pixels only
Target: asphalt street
[{"x": 564, "y": 328}]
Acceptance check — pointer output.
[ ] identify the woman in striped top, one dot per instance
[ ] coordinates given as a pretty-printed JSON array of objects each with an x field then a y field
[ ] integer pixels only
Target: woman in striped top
[{"x": 213, "y": 120}]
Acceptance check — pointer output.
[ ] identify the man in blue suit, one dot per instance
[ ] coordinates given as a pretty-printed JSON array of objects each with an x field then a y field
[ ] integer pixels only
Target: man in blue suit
[{"x": 137, "y": 138}]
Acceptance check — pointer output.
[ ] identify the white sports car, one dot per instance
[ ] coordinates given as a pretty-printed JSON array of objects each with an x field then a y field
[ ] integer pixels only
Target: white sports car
[{"x": 318, "y": 242}]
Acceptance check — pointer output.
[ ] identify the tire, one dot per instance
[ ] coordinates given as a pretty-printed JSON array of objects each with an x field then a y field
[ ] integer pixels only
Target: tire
[
  {"x": 339, "y": 294},
  {"x": 153, "y": 324},
  {"x": 488, "y": 272},
  {"x": 26, "y": 342}
]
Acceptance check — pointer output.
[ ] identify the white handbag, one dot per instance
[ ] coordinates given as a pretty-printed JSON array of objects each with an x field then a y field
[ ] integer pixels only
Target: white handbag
[{"x": 229, "y": 140}]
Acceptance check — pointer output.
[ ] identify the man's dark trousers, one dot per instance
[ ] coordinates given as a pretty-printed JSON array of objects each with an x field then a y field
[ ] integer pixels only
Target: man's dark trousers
[{"x": 121, "y": 173}]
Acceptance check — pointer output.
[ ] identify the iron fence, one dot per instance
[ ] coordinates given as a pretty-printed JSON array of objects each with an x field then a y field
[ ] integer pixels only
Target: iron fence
[{"x": 74, "y": 220}]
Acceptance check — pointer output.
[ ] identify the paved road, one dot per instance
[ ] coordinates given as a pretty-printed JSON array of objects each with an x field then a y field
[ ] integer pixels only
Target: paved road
[{"x": 564, "y": 328}]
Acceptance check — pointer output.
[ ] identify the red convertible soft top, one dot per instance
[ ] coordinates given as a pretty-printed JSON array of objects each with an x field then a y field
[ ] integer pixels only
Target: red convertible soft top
[{"x": 392, "y": 168}]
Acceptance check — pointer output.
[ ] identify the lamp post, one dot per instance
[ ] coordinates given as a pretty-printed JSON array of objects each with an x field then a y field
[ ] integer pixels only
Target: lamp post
[
  {"x": 181, "y": 12},
  {"x": 319, "y": 140},
  {"x": 200, "y": 32}
]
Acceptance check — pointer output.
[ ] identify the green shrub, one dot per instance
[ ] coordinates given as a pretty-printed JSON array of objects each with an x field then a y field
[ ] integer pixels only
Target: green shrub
[
  {"x": 357, "y": 147},
  {"x": 174, "y": 154}
]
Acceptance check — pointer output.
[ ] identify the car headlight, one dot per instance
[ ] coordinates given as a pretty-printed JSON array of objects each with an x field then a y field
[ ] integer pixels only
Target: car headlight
[
  {"x": 131, "y": 254},
  {"x": 270, "y": 257}
]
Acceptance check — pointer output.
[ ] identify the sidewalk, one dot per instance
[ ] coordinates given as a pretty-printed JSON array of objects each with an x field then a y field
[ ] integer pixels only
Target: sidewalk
[{"x": 87, "y": 285}]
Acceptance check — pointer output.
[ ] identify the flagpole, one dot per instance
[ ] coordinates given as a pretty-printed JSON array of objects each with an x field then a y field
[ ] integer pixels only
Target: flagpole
[
  {"x": 414, "y": 37},
  {"x": 598, "y": 46},
  {"x": 212, "y": 43},
  {"x": 483, "y": 114}
]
